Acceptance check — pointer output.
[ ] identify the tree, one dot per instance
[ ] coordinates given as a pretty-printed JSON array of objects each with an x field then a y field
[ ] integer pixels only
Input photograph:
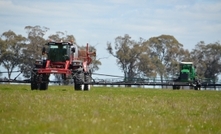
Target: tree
[
  {"x": 33, "y": 48},
  {"x": 60, "y": 36},
  {"x": 2, "y": 47},
  {"x": 11, "y": 51},
  {"x": 1, "y": 42},
  {"x": 207, "y": 59},
  {"x": 145, "y": 66},
  {"x": 127, "y": 52},
  {"x": 166, "y": 52},
  {"x": 95, "y": 62}
]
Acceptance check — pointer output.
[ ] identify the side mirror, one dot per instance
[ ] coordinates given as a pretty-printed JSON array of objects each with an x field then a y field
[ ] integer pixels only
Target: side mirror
[{"x": 73, "y": 49}]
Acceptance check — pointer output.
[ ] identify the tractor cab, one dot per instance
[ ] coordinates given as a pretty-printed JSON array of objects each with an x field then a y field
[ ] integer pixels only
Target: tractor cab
[
  {"x": 187, "y": 71},
  {"x": 65, "y": 59},
  {"x": 58, "y": 52},
  {"x": 187, "y": 75}
]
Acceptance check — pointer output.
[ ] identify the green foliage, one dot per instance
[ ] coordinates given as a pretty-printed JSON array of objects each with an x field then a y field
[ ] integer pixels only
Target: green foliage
[
  {"x": 166, "y": 53},
  {"x": 149, "y": 58},
  {"x": 102, "y": 110},
  {"x": 160, "y": 56},
  {"x": 33, "y": 48},
  {"x": 60, "y": 36},
  {"x": 95, "y": 61},
  {"x": 127, "y": 53},
  {"x": 157, "y": 56},
  {"x": 207, "y": 59},
  {"x": 17, "y": 51},
  {"x": 12, "y": 46}
]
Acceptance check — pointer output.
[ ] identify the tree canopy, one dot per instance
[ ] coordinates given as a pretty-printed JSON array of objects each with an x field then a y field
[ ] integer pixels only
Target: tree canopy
[
  {"x": 127, "y": 51},
  {"x": 166, "y": 52},
  {"x": 19, "y": 52},
  {"x": 207, "y": 59},
  {"x": 154, "y": 57},
  {"x": 160, "y": 57},
  {"x": 11, "y": 50}
]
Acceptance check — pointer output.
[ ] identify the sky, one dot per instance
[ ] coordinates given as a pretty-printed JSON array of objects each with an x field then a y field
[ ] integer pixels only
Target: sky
[{"x": 100, "y": 21}]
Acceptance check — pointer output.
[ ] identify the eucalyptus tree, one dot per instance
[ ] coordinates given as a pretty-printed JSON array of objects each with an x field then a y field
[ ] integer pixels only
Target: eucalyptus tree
[
  {"x": 166, "y": 52},
  {"x": 207, "y": 58},
  {"x": 33, "y": 48},
  {"x": 95, "y": 60},
  {"x": 11, "y": 46},
  {"x": 126, "y": 51},
  {"x": 145, "y": 65},
  {"x": 36, "y": 39},
  {"x": 2, "y": 49},
  {"x": 61, "y": 36}
]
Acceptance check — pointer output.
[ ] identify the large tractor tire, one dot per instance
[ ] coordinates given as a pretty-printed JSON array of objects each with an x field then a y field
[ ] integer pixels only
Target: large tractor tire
[
  {"x": 34, "y": 84},
  {"x": 79, "y": 87},
  {"x": 197, "y": 85},
  {"x": 44, "y": 82},
  {"x": 176, "y": 87},
  {"x": 43, "y": 86},
  {"x": 87, "y": 78},
  {"x": 79, "y": 79},
  {"x": 36, "y": 81}
]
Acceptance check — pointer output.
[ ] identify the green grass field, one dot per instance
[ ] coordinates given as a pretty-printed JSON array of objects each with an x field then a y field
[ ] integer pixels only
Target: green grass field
[{"x": 61, "y": 110}]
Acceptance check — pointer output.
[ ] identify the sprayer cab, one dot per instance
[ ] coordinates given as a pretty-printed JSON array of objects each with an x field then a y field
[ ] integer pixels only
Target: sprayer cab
[
  {"x": 66, "y": 59},
  {"x": 187, "y": 72},
  {"x": 58, "y": 52},
  {"x": 187, "y": 75}
]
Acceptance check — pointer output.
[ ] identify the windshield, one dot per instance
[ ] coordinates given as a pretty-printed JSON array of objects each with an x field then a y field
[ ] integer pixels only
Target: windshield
[
  {"x": 58, "y": 46},
  {"x": 185, "y": 71},
  {"x": 57, "y": 53}
]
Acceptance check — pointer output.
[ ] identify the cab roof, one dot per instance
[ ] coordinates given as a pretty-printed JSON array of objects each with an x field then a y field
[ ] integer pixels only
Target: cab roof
[
  {"x": 59, "y": 43},
  {"x": 186, "y": 63}
]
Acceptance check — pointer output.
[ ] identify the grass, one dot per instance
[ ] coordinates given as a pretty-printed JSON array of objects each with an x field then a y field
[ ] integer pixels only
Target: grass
[{"x": 102, "y": 110}]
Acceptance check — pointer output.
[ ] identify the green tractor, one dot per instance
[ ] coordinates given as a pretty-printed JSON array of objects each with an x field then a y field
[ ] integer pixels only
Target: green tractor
[{"x": 187, "y": 75}]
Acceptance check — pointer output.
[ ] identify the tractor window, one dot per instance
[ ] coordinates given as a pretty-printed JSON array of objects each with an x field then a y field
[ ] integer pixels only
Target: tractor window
[
  {"x": 57, "y": 53},
  {"x": 58, "y": 46},
  {"x": 53, "y": 46}
]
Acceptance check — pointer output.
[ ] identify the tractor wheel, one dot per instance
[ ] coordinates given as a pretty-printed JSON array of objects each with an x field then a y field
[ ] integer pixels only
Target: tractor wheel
[
  {"x": 78, "y": 87},
  {"x": 196, "y": 87},
  {"x": 44, "y": 82},
  {"x": 176, "y": 87},
  {"x": 87, "y": 78},
  {"x": 43, "y": 86},
  {"x": 34, "y": 84},
  {"x": 78, "y": 81}
]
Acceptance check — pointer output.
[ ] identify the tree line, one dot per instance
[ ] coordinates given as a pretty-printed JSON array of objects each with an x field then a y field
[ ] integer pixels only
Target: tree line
[
  {"x": 160, "y": 57},
  {"x": 146, "y": 58},
  {"x": 20, "y": 52}
]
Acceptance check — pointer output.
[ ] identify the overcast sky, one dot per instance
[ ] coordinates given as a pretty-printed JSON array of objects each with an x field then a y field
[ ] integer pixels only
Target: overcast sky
[{"x": 100, "y": 21}]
